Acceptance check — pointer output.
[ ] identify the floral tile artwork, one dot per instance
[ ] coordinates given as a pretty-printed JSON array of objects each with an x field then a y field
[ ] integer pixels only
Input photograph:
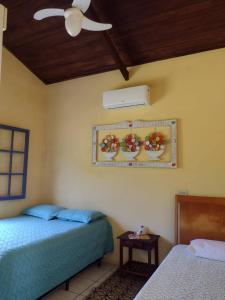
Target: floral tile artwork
[{"x": 136, "y": 144}]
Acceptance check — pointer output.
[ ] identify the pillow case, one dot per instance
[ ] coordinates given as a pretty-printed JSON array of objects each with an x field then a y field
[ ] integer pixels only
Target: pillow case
[
  {"x": 80, "y": 215},
  {"x": 208, "y": 249},
  {"x": 43, "y": 211}
]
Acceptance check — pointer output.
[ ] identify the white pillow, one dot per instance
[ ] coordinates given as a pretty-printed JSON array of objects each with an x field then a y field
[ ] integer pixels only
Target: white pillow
[{"x": 208, "y": 249}]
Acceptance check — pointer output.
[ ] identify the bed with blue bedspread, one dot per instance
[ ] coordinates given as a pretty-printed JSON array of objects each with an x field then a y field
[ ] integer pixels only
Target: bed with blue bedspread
[{"x": 37, "y": 255}]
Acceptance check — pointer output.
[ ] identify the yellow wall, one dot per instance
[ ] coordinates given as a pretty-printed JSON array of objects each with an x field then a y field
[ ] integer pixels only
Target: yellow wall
[
  {"x": 23, "y": 104},
  {"x": 190, "y": 89}
]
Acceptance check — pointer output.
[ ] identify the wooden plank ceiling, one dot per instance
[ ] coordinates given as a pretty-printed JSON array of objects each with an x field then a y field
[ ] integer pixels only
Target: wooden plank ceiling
[{"x": 143, "y": 31}]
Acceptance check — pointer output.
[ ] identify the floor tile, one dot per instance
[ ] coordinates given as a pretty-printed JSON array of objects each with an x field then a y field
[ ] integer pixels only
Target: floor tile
[
  {"x": 107, "y": 266},
  {"x": 99, "y": 282},
  {"x": 78, "y": 285},
  {"x": 103, "y": 278},
  {"x": 80, "y": 297},
  {"x": 95, "y": 273},
  {"x": 114, "y": 268},
  {"x": 89, "y": 290},
  {"x": 60, "y": 295}
]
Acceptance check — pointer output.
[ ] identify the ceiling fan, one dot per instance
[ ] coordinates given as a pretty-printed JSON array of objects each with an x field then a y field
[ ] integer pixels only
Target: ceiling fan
[{"x": 74, "y": 17}]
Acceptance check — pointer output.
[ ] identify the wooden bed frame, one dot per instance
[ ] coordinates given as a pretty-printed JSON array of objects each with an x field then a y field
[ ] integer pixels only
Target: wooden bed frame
[{"x": 199, "y": 217}]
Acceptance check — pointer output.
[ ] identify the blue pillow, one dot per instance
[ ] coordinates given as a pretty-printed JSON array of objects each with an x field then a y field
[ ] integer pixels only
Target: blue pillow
[
  {"x": 43, "y": 211},
  {"x": 79, "y": 215}
]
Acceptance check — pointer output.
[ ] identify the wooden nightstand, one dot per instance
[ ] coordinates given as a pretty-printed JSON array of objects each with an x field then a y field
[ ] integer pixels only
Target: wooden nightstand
[{"x": 134, "y": 267}]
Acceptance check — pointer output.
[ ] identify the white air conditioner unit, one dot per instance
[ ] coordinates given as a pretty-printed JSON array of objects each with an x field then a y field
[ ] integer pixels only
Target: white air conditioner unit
[
  {"x": 3, "y": 22},
  {"x": 134, "y": 96}
]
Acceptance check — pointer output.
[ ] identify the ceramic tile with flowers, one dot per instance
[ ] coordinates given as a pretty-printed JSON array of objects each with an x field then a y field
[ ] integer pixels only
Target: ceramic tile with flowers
[
  {"x": 131, "y": 146},
  {"x": 154, "y": 145},
  {"x": 136, "y": 144},
  {"x": 110, "y": 146}
]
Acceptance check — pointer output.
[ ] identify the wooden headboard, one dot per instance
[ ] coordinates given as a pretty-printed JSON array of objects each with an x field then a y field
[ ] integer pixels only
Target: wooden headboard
[{"x": 199, "y": 217}]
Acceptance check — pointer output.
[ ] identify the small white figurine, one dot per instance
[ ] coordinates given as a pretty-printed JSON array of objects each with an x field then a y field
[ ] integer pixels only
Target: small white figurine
[{"x": 142, "y": 230}]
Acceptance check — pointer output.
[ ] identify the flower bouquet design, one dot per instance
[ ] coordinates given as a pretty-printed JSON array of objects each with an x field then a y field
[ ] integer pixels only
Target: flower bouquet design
[
  {"x": 110, "y": 146},
  {"x": 154, "y": 145},
  {"x": 130, "y": 146}
]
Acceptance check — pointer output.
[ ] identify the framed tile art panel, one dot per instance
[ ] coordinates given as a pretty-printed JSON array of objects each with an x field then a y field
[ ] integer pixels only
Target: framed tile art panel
[{"x": 136, "y": 144}]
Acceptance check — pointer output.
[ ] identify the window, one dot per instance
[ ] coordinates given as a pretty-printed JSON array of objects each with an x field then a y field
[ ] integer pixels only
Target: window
[{"x": 14, "y": 144}]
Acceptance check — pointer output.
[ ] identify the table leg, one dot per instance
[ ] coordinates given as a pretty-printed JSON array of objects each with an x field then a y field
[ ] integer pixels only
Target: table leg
[
  {"x": 130, "y": 254},
  {"x": 149, "y": 257},
  {"x": 121, "y": 255},
  {"x": 156, "y": 255}
]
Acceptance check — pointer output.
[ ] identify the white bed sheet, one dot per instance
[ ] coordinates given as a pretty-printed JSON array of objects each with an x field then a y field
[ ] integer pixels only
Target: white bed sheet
[{"x": 182, "y": 276}]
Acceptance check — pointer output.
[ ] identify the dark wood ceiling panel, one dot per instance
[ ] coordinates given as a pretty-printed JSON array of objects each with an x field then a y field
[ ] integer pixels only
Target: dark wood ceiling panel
[{"x": 143, "y": 31}]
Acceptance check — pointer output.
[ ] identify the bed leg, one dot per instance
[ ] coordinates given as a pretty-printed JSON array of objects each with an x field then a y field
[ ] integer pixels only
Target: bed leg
[
  {"x": 67, "y": 285},
  {"x": 99, "y": 263}
]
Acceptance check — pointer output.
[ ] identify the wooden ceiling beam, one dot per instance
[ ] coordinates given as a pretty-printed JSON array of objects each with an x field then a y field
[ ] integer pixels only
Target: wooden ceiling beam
[{"x": 112, "y": 47}]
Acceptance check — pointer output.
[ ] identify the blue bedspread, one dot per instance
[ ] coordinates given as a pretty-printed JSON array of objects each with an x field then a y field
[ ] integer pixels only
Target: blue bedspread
[{"x": 36, "y": 255}]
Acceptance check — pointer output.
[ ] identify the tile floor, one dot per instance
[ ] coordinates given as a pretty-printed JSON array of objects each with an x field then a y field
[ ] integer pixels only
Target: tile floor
[{"x": 83, "y": 283}]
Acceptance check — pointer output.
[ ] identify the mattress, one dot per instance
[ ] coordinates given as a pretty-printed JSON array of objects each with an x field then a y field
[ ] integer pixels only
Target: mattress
[
  {"x": 37, "y": 255},
  {"x": 182, "y": 276}
]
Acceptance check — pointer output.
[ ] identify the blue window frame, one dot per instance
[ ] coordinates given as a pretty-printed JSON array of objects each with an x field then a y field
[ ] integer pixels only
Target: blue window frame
[{"x": 14, "y": 146}]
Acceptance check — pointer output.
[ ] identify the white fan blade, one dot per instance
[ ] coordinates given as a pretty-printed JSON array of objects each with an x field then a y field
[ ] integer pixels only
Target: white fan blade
[
  {"x": 94, "y": 26},
  {"x": 83, "y": 5},
  {"x": 48, "y": 12},
  {"x": 73, "y": 24}
]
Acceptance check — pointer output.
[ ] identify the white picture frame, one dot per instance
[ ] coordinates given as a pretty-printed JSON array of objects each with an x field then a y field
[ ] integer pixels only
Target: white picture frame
[{"x": 172, "y": 163}]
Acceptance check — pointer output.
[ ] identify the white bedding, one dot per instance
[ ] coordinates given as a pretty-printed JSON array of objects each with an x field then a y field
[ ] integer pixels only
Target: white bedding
[
  {"x": 208, "y": 249},
  {"x": 182, "y": 276}
]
